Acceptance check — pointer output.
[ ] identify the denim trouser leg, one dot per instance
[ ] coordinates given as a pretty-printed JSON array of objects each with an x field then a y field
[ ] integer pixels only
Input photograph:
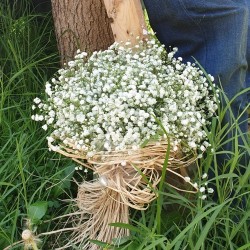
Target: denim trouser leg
[
  {"x": 215, "y": 33},
  {"x": 248, "y": 55}
]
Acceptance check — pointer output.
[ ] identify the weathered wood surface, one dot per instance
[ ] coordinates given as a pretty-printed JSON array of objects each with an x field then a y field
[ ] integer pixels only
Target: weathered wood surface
[{"x": 127, "y": 19}]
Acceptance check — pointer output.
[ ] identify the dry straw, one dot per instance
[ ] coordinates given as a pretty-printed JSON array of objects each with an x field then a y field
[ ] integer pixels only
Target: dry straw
[{"x": 126, "y": 179}]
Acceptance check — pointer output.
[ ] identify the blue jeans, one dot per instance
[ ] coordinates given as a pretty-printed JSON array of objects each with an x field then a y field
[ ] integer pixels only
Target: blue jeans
[{"x": 215, "y": 33}]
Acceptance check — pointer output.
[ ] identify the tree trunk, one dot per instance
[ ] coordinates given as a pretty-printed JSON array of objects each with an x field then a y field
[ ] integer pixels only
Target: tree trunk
[{"x": 81, "y": 24}]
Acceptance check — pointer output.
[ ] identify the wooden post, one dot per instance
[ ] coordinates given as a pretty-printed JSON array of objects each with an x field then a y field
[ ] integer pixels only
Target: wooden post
[{"x": 127, "y": 19}]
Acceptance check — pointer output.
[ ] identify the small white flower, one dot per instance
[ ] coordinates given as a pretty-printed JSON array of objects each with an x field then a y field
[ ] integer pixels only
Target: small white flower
[
  {"x": 71, "y": 63},
  {"x": 100, "y": 105},
  {"x": 50, "y": 139},
  {"x": 202, "y": 189},
  {"x": 144, "y": 32},
  {"x": 203, "y": 197},
  {"x": 184, "y": 122},
  {"x": 210, "y": 190},
  {"x": 178, "y": 67},
  {"x": 192, "y": 144},
  {"x": 40, "y": 118},
  {"x": 204, "y": 176},
  {"x": 123, "y": 163},
  {"x": 187, "y": 179},
  {"x": 45, "y": 127},
  {"x": 37, "y": 100},
  {"x": 195, "y": 185},
  {"x": 211, "y": 77}
]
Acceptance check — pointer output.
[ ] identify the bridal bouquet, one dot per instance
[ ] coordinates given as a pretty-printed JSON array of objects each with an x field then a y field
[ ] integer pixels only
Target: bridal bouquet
[{"x": 116, "y": 112}]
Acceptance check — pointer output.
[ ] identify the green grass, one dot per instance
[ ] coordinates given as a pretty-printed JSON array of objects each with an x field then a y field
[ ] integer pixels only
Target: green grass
[
  {"x": 28, "y": 172},
  {"x": 34, "y": 181}
]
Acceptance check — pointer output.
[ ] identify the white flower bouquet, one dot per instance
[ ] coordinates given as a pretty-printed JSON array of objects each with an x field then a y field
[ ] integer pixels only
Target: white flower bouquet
[
  {"x": 109, "y": 101},
  {"x": 104, "y": 112}
]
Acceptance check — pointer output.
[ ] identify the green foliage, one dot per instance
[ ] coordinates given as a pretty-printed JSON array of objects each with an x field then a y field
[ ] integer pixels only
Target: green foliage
[
  {"x": 34, "y": 181},
  {"x": 37, "y": 210},
  {"x": 28, "y": 172}
]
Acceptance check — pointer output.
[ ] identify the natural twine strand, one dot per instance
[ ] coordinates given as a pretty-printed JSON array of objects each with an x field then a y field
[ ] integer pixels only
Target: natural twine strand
[{"x": 127, "y": 179}]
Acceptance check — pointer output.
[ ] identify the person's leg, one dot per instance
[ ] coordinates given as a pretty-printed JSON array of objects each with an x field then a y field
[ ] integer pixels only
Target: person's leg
[
  {"x": 214, "y": 32},
  {"x": 248, "y": 55}
]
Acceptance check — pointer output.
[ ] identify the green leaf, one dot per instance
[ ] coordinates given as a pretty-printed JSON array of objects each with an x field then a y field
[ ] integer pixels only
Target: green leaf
[
  {"x": 196, "y": 220},
  {"x": 37, "y": 210},
  {"x": 127, "y": 226},
  {"x": 206, "y": 229},
  {"x": 133, "y": 246},
  {"x": 64, "y": 181},
  {"x": 246, "y": 246},
  {"x": 121, "y": 241},
  {"x": 155, "y": 243},
  {"x": 101, "y": 244}
]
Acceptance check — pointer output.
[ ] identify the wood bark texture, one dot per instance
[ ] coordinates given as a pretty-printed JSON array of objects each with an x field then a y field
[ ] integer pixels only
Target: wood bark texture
[
  {"x": 127, "y": 19},
  {"x": 81, "y": 24}
]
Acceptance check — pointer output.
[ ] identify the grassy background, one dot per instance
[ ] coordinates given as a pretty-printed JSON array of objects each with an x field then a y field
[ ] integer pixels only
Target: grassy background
[{"x": 34, "y": 181}]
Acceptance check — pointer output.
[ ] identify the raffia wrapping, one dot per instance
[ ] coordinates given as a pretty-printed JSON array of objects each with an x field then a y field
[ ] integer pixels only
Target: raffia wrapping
[{"x": 127, "y": 179}]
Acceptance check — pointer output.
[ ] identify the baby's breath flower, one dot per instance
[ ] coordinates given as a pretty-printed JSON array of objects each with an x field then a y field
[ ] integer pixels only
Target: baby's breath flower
[
  {"x": 37, "y": 100},
  {"x": 204, "y": 176},
  {"x": 108, "y": 101},
  {"x": 45, "y": 127},
  {"x": 123, "y": 163},
  {"x": 203, "y": 197},
  {"x": 210, "y": 190},
  {"x": 50, "y": 139},
  {"x": 187, "y": 179}
]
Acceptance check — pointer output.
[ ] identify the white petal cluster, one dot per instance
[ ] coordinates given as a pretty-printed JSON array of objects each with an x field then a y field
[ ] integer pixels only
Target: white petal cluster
[
  {"x": 204, "y": 189},
  {"x": 108, "y": 101}
]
